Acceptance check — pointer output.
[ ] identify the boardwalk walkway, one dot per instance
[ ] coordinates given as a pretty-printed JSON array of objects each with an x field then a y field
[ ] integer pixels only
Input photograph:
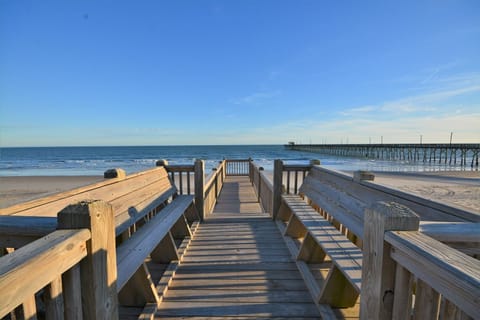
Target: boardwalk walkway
[{"x": 237, "y": 266}]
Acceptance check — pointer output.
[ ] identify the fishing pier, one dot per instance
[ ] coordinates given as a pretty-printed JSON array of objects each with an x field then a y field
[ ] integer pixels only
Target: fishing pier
[
  {"x": 301, "y": 242},
  {"x": 456, "y": 154}
]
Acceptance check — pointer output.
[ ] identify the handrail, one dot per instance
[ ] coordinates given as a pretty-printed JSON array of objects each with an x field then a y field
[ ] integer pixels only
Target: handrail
[
  {"x": 237, "y": 167},
  {"x": 213, "y": 187},
  {"x": 50, "y": 257},
  {"x": 450, "y": 273},
  {"x": 181, "y": 173}
]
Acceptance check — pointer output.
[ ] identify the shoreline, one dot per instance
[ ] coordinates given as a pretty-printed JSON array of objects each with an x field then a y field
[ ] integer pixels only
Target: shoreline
[{"x": 457, "y": 188}]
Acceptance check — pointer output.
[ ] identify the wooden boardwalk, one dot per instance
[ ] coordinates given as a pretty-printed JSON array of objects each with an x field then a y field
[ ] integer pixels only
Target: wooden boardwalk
[{"x": 237, "y": 266}]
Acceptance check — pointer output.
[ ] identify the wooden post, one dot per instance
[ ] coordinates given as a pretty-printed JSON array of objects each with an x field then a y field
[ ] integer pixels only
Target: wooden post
[
  {"x": 200, "y": 188},
  {"x": 378, "y": 270},
  {"x": 99, "y": 268},
  {"x": 259, "y": 191},
  {"x": 363, "y": 176},
  {"x": 277, "y": 186},
  {"x": 161, "y": 163},
  {"x": 114, "y": 173}
]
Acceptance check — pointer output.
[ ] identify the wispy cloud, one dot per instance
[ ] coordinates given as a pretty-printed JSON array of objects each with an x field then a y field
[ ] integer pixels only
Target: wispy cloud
[
  {"x": 430, "y": 101},
  {"x": 256, "y": 98}
]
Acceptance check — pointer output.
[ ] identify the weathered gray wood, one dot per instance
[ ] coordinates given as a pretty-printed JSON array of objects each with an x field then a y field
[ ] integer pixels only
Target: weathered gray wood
[
  {"x": 132, "y": 253},
  {"x": 277, "y": 187},
  {"x": 378, "y": 271},
  {"x": 125, "y": 219},
  {"x": 237, "y": 266},
  {"x": 54, "y": 300},
  {"x": 99, "y": 268},
  {"x": 453, "y": 274},
  {"x": 310, "y": 251},
  {"x": 139, "y": 289},
  {"x": 165, "y": 251},
  {"x": 107, "y": 190},
  {"x": 452, "y": 231},
  {"x": 450, "y": 311},
  {"x": 402, "y": 301},
  {"x": 72, "y": 294},
  {"x": 338, "y": 291},
  {"x": 199, "y": 187},
  {"x": 49, "y": 257},
  {"x": 427, "y": 302}
]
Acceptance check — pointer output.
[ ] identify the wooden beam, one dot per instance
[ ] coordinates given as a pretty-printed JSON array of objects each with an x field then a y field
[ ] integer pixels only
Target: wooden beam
[
  {"x": 99, "y": 268},
  {"x": 378, "y": 270}
]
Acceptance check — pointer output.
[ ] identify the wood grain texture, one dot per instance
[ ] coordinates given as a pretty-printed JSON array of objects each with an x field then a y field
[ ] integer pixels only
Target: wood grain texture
[
  {"x": 453, "y": 274},
  {"x": 237, "y": 265},
  {"x": 99, "y": 269},
  {"x": 49, "y": 256}
]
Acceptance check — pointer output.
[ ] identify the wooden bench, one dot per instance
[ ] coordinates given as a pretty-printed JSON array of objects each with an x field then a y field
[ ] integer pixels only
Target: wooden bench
[
  {"x": 152, "y": 226},
  {"x": 324, "y": 229}
]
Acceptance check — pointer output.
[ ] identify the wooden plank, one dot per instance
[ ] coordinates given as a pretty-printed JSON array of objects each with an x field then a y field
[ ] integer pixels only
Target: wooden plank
[
  {"x": 71, "y": 294},
  {"x": 165, "y": 251},
  {"x": 99, "y": 269},
  {"x": 378, "y": 271},
  {"x": 132, "y": 253},
  {"x": 452, "y": 231},
  {"x": 139, "y": 289},
  {"x": 49, "y": 256},
  {"x": 237, "y": 265},
  {"x": 213, "y": 308},
  {"x": 337, "y": 291},
  {"x": 250, "y": 296},
  {"x": 237, "y": 284},
  {"x": 402, "y": 302},
  {"x": 455, "y": 275},
  {"x": 106, "y": 190},
  {"x": 134, "y": 212},
  {"x": 427, "y": 302},
  {"x": 54, "y": 300}
]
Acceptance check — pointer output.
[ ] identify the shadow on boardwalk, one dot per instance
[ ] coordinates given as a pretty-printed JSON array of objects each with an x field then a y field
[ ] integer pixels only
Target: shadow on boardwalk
[{"x": 238, "y": 266}]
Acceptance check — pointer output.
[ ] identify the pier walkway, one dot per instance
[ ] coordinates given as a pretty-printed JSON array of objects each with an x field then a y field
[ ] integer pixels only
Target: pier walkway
[{"x": 237, "y": 265}]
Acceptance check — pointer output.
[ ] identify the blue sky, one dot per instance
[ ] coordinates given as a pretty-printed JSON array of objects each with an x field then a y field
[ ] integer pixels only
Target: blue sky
[{"x": 238, "y": 72}]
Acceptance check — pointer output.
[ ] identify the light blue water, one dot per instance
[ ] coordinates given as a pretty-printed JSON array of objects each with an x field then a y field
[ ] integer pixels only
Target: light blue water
[{"x": 95, "y": 160}]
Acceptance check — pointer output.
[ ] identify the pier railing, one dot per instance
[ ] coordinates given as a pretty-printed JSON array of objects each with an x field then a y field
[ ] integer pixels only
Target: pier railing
[{"x": 453, "y": 154}]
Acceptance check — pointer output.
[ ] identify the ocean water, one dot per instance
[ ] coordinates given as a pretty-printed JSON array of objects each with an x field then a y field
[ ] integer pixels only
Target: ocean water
[{"x": 70, "y": 161}]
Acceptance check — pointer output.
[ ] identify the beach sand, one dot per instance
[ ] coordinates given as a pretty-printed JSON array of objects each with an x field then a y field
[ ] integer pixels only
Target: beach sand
[
  {"x": 15, "y": 190},
  {"x": 458, "y": 188}
]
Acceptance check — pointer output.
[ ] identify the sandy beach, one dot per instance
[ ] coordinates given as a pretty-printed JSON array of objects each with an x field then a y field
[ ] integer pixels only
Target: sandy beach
[
  {"x": 14, "y": 190},
  {"x": 458, "y": 188}
]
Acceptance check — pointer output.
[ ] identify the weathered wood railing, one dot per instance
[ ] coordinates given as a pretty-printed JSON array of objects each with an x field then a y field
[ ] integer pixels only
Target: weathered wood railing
[
  {"x": 263, "y": 187},
  {"x": 51, "y": 263},
  {"x": 213, "y": 186},
  {"x": 237, "y": 167},
  {"x": 150, "y": 223},
  {"x": 341, "y": 202}
]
